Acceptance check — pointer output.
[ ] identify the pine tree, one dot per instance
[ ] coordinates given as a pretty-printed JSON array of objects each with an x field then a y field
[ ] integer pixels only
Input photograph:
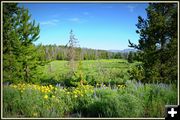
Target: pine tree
[
  {"x": 19, "y": 52},
  {"x": 28, "y": 32},
  {"x": 158, "y": 42},
  {"x": 11, "y": 67}
]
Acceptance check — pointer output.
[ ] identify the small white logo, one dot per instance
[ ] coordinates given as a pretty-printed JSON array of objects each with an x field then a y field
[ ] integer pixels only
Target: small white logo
[{"x": 172, "y": 112}]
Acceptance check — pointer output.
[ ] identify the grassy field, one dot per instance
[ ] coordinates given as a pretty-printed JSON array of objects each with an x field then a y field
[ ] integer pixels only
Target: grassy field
[
  {"x": 98, "y": 70},
  {"x": 108, "y": 92}
]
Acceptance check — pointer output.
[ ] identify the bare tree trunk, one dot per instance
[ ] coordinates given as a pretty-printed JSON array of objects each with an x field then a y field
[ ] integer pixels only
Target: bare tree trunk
[{"x": 71, "y": 51}]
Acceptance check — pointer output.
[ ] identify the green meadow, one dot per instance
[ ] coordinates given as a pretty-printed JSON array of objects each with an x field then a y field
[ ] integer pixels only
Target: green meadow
[
  {"x": 106, "y": 92},
  {"x": 90, "y": 68}
]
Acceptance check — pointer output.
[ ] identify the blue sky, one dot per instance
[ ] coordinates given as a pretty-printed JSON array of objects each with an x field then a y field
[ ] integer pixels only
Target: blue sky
[{"x": 95, "y": 25}]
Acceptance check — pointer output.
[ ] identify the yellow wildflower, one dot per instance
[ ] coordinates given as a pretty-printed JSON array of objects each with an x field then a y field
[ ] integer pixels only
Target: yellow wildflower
[
  {"x": 15, "y": 86},
  {"x": 42, "y": 90},
  {"x": 48, "y": 90},
  {"x": 46, "y": 97},
  {"x": 51, "y": 87},
  {"x": 53, "y": 96},
  {"x": 35, "y": 114}
]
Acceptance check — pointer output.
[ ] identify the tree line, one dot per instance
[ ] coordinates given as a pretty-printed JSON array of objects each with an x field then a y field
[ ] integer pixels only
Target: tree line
[{"x": 60, "y": 52}]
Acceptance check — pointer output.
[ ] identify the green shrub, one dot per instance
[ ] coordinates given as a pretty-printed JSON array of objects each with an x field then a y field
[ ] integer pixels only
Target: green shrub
[
  {"x": 136, "y": 73},
  {"x": 82, "y": 96}
]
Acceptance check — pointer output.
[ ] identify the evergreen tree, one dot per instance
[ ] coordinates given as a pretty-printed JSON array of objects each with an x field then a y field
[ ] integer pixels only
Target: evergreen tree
[
  {"x": 11, "y": 67},
  {"x": 19, "y": 52},
  {"x": 158, "y": 42},
  {"x": 27, "y": 32}
]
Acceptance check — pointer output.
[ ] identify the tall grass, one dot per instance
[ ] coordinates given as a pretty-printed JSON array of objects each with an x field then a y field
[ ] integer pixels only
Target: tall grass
[
  {"x": 131, "y": 100},
  {"x": 106, "y": 93}
]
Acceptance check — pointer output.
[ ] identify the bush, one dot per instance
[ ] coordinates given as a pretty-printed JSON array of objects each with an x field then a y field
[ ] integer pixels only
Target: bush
[
  {"x": 82, "y": 96},
  {"x": 136, "y": 73}
]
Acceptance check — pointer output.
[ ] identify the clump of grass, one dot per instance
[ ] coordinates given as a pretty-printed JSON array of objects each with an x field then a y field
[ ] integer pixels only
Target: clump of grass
[
  {"x": 111, "y": 104},
  {"x": 153, "y": 97}
]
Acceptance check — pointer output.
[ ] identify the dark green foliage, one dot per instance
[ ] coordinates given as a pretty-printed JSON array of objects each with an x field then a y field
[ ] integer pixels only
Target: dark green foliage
[
  {"x": 55, "y": 52},
  {"x": 137, "y": 73},
  {"x": 118, "y": 55},
  {"x": 158, "y": 42},
  {"x": 130, "y": 57},
  {"x": 10, "y": 44},
  {"x": 137, "y": 56},
  {"x": 28, "y": 32},
  {"x": 19, "y": 53}
]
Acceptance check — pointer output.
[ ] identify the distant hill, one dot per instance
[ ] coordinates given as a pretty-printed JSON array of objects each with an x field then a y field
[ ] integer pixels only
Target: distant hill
[{"x": 124, "y": 50}]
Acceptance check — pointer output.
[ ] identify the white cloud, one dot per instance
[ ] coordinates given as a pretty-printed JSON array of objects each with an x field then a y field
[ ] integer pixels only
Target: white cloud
[
  {"x": 56, "y": 15},
  {"x": 85, "y": 13},
  {"x": 50, "y": 22},
  {"x": 131, "y": 7},
  {"x": 55, "y": 20},
  {"x": 75, "y": 19}
]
